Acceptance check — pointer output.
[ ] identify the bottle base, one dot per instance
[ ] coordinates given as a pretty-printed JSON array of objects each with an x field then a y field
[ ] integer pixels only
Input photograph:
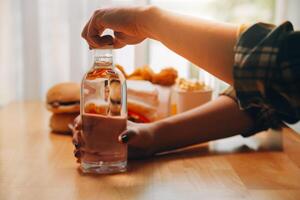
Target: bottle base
[{"x": 102, "y": 167}]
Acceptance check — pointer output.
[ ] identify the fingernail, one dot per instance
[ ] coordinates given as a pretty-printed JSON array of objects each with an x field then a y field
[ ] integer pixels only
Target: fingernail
[
  {"x": 77, "y": 154},
  {"x": 124, "y": 138},
  {"x": 76, "y": 144}
]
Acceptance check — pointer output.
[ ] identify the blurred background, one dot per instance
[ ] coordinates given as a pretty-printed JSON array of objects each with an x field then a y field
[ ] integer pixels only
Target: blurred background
[{"x": 40, "y": 42}]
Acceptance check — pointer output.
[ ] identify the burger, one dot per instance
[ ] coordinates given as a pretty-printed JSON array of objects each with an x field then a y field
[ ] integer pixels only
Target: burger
[
  {"x": 60, "y": 123},
  {"x": 64, "y": 98}
]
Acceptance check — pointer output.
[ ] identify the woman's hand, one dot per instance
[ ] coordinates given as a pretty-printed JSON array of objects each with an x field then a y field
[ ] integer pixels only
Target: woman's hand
[
  {"x": 139, "y": 138},
  {"x": 126, "y": 22}
]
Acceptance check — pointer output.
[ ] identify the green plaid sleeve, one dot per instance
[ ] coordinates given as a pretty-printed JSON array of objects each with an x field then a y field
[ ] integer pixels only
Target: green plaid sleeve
[{"x": 267, "y": 75}]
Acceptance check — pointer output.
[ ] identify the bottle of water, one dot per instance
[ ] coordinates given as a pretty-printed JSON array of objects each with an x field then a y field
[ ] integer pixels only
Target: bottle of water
[{"x": 103, "y": 108}]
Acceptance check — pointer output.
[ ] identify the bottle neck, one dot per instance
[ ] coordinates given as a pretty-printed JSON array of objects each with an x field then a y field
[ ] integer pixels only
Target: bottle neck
[{"x": 103, "y": 58}]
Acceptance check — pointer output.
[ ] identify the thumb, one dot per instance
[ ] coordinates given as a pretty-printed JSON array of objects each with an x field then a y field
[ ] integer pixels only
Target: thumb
[{"x": 127, "y": 136}]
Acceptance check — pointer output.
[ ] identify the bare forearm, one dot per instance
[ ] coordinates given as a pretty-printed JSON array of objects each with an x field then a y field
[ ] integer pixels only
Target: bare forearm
[
  {"x": 218, "y": 119},
  {"x": 206, "y": 43}
]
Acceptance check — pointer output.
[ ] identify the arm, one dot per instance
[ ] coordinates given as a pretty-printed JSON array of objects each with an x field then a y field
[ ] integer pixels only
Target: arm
[
  {"x": 206, "y": 43},
  {"x": 217, "y": 119}
]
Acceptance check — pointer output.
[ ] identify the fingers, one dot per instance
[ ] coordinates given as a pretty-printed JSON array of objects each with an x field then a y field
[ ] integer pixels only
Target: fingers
[
  {"x": 127, "y": 136},
  {"x": 118, "y": 44},
  {"x": 85, "y": 29},
  {"x": 78, "y": 123},
  {"x": 93, "y": 30},
  {"x": 77, "y": 141},
  {"x": 127, "y": 39},
  {"x": 77, "y": 137},
  {"x": 77, "y": 153},
  {"x": 100, "y": 42},
  {"x": 76, "y": 128}
]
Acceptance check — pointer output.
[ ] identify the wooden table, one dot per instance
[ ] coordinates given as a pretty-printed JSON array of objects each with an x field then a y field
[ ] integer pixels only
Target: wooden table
[{"x": 35, "y": 164}]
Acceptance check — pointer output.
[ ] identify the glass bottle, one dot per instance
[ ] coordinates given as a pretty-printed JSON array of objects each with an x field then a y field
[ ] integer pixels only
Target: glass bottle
[{"x": 103, "y": 109}]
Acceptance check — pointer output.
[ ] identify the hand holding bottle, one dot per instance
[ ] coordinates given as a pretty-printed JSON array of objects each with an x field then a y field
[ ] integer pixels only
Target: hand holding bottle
[{"x": 139, "y": 138}]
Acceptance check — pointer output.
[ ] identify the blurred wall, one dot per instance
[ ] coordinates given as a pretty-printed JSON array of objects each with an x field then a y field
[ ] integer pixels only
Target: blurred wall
[
  {"x": 293, "y": 13},
  {"x": 288, "y": 10}
]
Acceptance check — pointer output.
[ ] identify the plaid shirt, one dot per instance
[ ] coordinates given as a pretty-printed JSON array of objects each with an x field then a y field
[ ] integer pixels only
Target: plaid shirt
[{"x": 267, "y": 75}]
